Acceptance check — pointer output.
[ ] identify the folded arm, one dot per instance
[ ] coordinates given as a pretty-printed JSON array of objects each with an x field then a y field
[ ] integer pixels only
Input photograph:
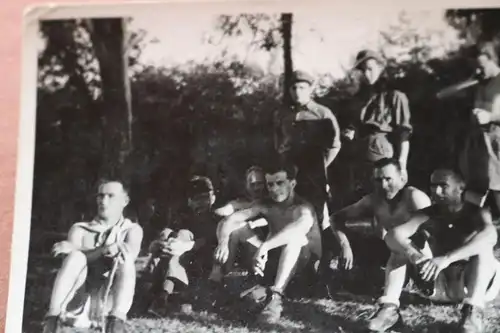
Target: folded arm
[{"x": 236, "y": 221}]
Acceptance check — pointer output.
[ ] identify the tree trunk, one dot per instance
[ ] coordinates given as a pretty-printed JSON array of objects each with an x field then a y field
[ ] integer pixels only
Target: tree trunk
[
  {"x": 108, "y": 38},
  {"x": 286, "y": 33},
  {"x": 286, "y": 26}
]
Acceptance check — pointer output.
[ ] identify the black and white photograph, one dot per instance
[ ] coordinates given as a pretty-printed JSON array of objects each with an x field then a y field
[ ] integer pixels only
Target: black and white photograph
[{"x": 249, "y": 168}]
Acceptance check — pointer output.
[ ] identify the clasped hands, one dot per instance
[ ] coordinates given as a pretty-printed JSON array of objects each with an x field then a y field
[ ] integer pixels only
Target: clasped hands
[
  {"x": 173, "y": 247},
  {"x": 482, "y": 116}
]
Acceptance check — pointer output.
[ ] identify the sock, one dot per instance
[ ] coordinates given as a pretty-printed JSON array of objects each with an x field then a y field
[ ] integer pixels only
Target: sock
[{"x": 168, "y": 286}]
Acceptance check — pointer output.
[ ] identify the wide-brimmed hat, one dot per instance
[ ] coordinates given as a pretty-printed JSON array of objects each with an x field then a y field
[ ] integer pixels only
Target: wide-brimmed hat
[{"x": 365, "y": 55}]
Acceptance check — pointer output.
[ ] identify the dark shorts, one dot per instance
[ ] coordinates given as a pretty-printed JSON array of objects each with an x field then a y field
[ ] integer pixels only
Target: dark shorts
[
  {"x": 368, "y": 250},
  {"x": 97, "y": 270}
]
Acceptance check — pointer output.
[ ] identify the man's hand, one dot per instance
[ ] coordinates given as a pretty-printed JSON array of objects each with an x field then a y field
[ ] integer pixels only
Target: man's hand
[
  {"x": 260, "y": 260},
  {"x": 483, "y": 117},
  {"x": 63, "y": 247},
  {"x": 221, "y": 252},
  {"x": 112, "y": 250},
  {"x": 430, "y": 268},
  {"x": 348, "y": 134},
  {"x": 346, "y": 257},
  {"x": 178, "y": 247}
]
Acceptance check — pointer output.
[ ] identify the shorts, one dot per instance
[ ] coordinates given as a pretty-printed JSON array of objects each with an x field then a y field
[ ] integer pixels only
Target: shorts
[
  {"x": 450, "y": 285},
  {"x": 367, "y": 250}
]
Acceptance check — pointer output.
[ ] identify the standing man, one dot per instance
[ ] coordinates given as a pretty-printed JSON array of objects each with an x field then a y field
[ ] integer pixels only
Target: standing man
[
  {"x": 184, "y": 250},
  {"x": 293, "y": 244},
  {"x": 311, "y": 138},
  {"x": 108, "y": 243},
  {"x": 480, "y": 161},
  {"x": 390, "y": 204},
  {"x": 463, "y": 267},
  {"x": 383, "y": 129}
]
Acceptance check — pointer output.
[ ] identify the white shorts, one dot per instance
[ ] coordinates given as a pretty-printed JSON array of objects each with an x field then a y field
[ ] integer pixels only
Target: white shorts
[{"x": 449, "y": 286}]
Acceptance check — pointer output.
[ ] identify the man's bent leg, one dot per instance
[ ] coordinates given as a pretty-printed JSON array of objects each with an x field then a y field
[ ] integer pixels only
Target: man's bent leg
[
  {"x": 388, "y": 314},
  {"x": 237, "y": 239},
  {"x": 478, "y": 276},
  {"x": 289, "y": 258},
  {"x": 70, "y": 278},
  {"x": 395, "y": 275},
  {"x": 287, "y": 264},
  {"x": 123, "y": 289}
]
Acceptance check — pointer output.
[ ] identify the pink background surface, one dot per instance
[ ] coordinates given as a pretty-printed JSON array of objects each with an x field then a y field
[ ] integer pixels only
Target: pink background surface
[{"x": 11, "y": 13}]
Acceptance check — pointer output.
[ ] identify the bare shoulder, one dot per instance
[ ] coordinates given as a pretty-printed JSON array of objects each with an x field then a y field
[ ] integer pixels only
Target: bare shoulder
[
  {"x": 482, "y": 214},
  {"x": 135, "y": 229},
  {"x": 417, "y": 198},
  {"x": 302, "y": 206}
]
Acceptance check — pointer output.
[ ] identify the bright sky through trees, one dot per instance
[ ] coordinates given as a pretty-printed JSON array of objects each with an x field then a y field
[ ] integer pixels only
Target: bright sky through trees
[{"x": 323, "y": 41}]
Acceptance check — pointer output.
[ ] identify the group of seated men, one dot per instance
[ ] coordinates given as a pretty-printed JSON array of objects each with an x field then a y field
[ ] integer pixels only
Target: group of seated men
[{"x": 444, "y": 244}]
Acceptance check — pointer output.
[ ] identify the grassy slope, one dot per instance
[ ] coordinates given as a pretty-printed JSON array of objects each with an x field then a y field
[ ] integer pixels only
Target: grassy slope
[{"x": 347, "y": 313}]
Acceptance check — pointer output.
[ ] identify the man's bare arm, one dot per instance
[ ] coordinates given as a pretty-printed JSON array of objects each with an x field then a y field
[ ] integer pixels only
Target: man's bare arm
[
  {"x": 419, "y": 200},
  {"x": 330, "y": 155},
  {"x": 303, "y": 220},
  {"x": 132, "y": 242},
  {"x": 404, "y": 151},
  {"x": 398, "y": 238},
  {"x": 358, "y": 210},
  {"x": 236, "y": 221},
  {"x": 484, "y": 239},
  {"x": 225, "y": 210},
  {"x": 75, "y": 237}
]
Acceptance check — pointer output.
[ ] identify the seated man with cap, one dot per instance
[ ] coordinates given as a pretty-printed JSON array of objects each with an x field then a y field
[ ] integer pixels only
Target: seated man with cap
[
  {"x": 311, "y": 138},
  {"x": 184, "y": 251}
]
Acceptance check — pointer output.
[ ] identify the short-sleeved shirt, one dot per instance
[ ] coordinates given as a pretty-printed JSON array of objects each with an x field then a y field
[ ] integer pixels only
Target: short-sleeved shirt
[
  {"x": 387, "y": 111},
  {"x": 450, "y": 230},
  {"x": 312, "y": 125}
]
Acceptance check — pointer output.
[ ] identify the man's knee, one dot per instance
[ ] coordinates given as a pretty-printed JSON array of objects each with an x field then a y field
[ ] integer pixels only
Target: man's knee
[
  {"x": 242, "y": 235},
  {"x": 75, "y": 259},
  {"x": 396, "y": 260},
  {"x": 485, "y": 258},
  {"x": 126, "y": 267}
]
